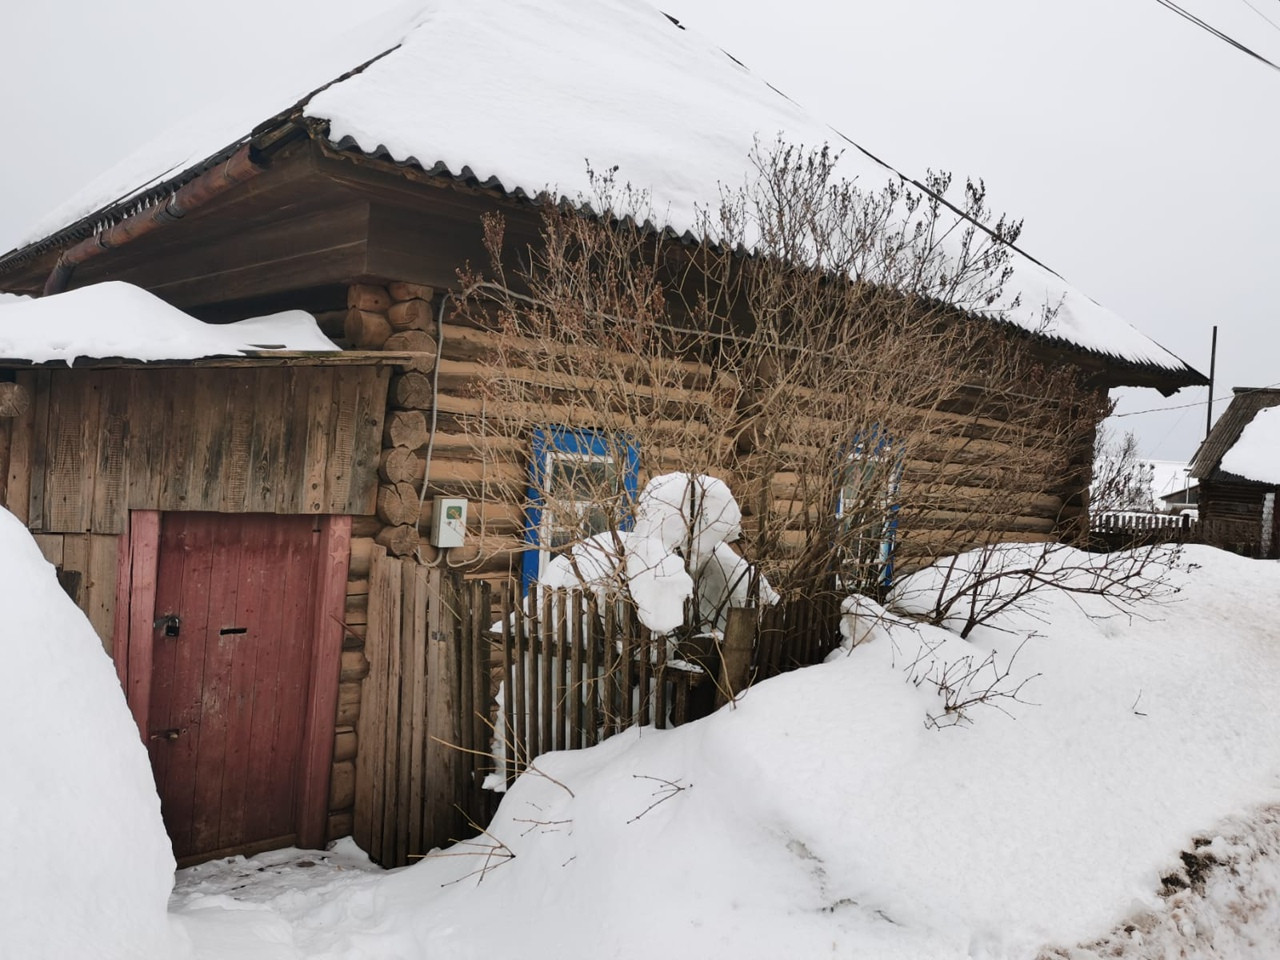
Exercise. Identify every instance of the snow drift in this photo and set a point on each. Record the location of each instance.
(821, 815)
(87, 867)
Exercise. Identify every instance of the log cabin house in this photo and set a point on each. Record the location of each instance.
(1236, 494)
(188, 502)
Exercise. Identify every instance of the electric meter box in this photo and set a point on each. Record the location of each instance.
(448, 521)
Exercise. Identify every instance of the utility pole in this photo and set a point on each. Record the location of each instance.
(1213, 359)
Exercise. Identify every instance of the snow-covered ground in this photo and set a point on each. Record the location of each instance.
(823, 815)
(1125, 803)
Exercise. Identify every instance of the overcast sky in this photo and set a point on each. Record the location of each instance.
(1141, 151)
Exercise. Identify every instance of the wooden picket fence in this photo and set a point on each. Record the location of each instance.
(796, 634)
(1123, 531)
(576, 670)
(559, 670)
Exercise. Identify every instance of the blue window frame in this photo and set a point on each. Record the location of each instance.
(581, 482)
(875, 460)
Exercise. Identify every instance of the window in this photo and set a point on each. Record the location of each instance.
(867, 509)
(582, 482)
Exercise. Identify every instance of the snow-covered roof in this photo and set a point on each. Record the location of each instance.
(526, 95)
(1247, 403)
(120, 320)
(1256, 455)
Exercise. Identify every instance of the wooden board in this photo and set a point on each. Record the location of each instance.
(287, 440)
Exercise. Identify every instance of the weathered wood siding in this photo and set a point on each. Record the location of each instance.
(289, 440)
(1232, 516)
(88, 565)
(1223, 499)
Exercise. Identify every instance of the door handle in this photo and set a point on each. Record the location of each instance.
(171, 734)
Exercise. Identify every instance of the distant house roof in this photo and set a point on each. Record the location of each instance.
(522, 97)
(1235, 449)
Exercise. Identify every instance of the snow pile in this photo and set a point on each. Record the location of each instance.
(87, 867)
(263, 895)
(679, 543)
(8, 299)
(820, 815)
(673, 114)
(1256, 455)
(117, 319)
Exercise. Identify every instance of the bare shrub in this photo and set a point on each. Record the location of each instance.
(837, 354)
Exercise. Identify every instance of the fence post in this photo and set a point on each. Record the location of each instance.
(735, 653)
(443, 727)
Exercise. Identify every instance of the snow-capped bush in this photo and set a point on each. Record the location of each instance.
(677, 548)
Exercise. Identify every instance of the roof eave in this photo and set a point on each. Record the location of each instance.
(288, 127)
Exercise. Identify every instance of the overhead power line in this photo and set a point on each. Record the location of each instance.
(1187, 15)
(1248, 4)
(1184, 406)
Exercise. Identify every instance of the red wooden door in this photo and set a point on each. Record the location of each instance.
(232, 649)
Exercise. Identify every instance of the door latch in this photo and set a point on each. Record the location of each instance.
(171, 623)
(171, 734)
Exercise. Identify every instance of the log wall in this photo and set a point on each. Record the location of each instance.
(965, 481)
(402, 317)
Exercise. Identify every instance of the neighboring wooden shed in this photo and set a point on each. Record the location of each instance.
(289, 491)
(1237, 512)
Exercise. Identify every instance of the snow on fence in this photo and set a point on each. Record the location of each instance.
(454, 703)
(1141, 522)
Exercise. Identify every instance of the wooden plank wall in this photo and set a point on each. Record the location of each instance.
(421, 730)
(87, 568)
(291, 440)
(95, 444)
